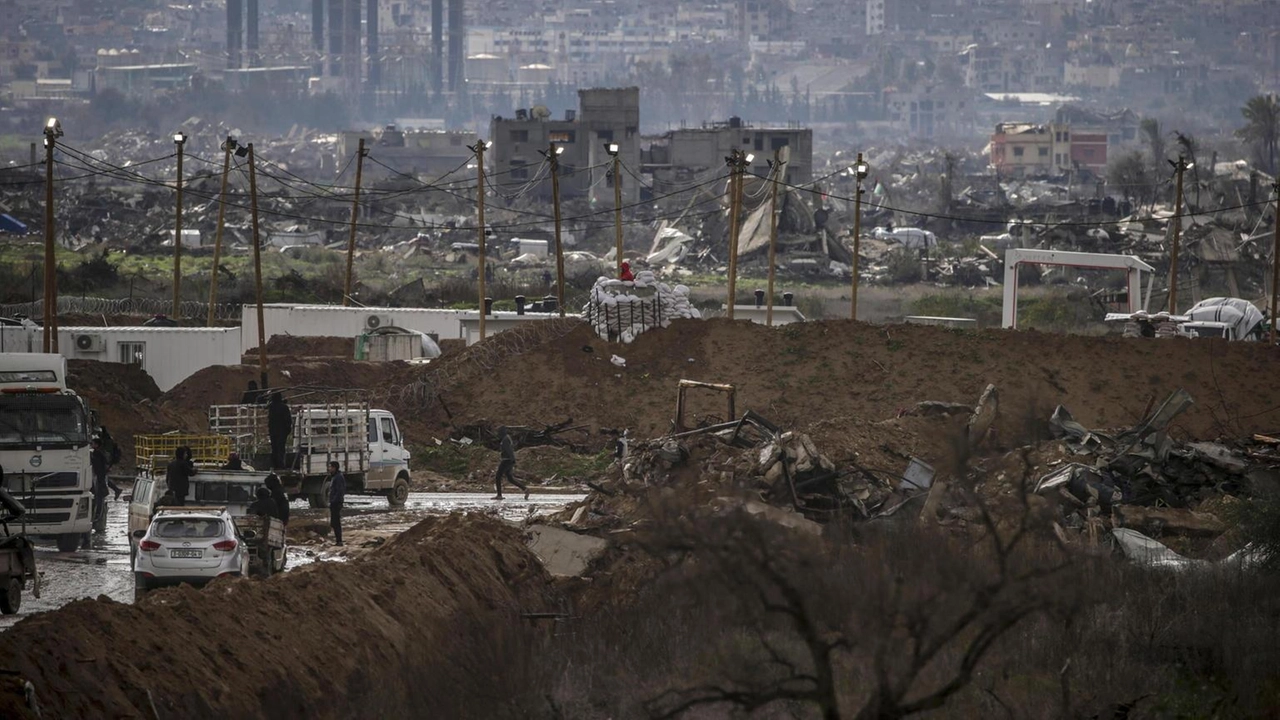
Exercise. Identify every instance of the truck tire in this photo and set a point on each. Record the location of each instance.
(68, 542)
(320, 500)
(398, 495)
(11, 600)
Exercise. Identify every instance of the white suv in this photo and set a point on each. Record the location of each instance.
(189, 546)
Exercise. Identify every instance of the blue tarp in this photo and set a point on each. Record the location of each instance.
(11, 224)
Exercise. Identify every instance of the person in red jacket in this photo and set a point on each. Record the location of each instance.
(626, 272)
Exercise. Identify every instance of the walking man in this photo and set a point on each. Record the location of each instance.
(337, 493)
(279, 425)
(177, 475)
(112, 451)
(507, 464)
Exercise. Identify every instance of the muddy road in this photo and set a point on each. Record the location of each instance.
(104, 568)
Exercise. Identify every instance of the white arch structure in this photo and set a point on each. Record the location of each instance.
(1013, 257)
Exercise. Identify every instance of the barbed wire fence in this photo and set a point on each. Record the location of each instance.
(123, 306)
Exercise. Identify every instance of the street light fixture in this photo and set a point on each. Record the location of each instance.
(860, 170)
(612, 149)
(179, 141)
(179, 138)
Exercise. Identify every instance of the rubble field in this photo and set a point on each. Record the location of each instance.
(392, 634)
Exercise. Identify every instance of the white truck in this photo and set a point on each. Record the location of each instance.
(44, 446)
(1218, 317)
(328, 426)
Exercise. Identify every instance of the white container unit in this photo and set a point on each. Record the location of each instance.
(168, 354)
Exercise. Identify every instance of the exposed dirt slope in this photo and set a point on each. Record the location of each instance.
(802, 373)
(125, 398)
(415, 629)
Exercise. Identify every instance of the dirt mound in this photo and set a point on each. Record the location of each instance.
(124, 396)
(294, 346)
(225, 384)
(803, 372)
(418, 628)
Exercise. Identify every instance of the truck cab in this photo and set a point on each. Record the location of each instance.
(388, 457)
(44, 446)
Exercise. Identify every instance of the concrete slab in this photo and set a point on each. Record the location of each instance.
(564, 553)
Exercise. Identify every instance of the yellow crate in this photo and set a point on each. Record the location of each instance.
(155, 451)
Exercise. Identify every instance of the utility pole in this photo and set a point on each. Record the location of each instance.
(1180, 167)
(227, 148)
(776, 166)
(257, 268)
(52, 131)
(479, 149)
(738, 163)
(552, 154)
(859, 173)
(612, 149)
(179, 141)
(355, 212)
(1275, 261)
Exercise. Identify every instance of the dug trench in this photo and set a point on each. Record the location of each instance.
(419, 628)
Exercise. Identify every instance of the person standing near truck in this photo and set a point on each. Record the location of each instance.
(279, 425)
(177, 475)
(112, 451)
(337, 494)
(277, 493)
(507, 465)
(98, 465)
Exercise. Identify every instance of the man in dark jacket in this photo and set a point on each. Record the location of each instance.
(507, 464)
(112, 451)
(279, 425)
(337, 495)
(252, 396)
(178, 475)
(277, 493)
(264, 505)
(98, 465)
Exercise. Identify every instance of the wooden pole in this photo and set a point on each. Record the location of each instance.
(50, 271)
(773, 236)
(857, 238)
(355, 212)
(735, 204)
(1275, 262)
(217, 235)
(479, 149)
(1181, 167)
(617, 210)
(180, 140)
(257, 268)
(554, 159)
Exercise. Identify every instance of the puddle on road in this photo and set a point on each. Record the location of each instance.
(104, 569)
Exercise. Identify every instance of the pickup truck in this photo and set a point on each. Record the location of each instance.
(233, 490)
(328, 425)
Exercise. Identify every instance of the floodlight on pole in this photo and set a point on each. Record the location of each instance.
(737, 162)
(52, 131)
(860, 170)
(615, 173)
(179, 141)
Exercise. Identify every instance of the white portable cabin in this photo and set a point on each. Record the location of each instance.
(350, 322)
(496, 322)
(168, 354)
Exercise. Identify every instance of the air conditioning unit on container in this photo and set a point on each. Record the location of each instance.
(373, 322)
(90, 343)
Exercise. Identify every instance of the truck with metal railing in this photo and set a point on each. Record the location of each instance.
(328, 426)
(45, 430)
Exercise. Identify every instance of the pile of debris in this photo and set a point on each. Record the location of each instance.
(1143, 481)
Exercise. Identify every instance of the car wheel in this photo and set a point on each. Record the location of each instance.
(140, 587)
(68, 542)
(11, 600)
(398, 495)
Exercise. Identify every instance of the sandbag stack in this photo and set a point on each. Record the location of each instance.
(623, 309)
